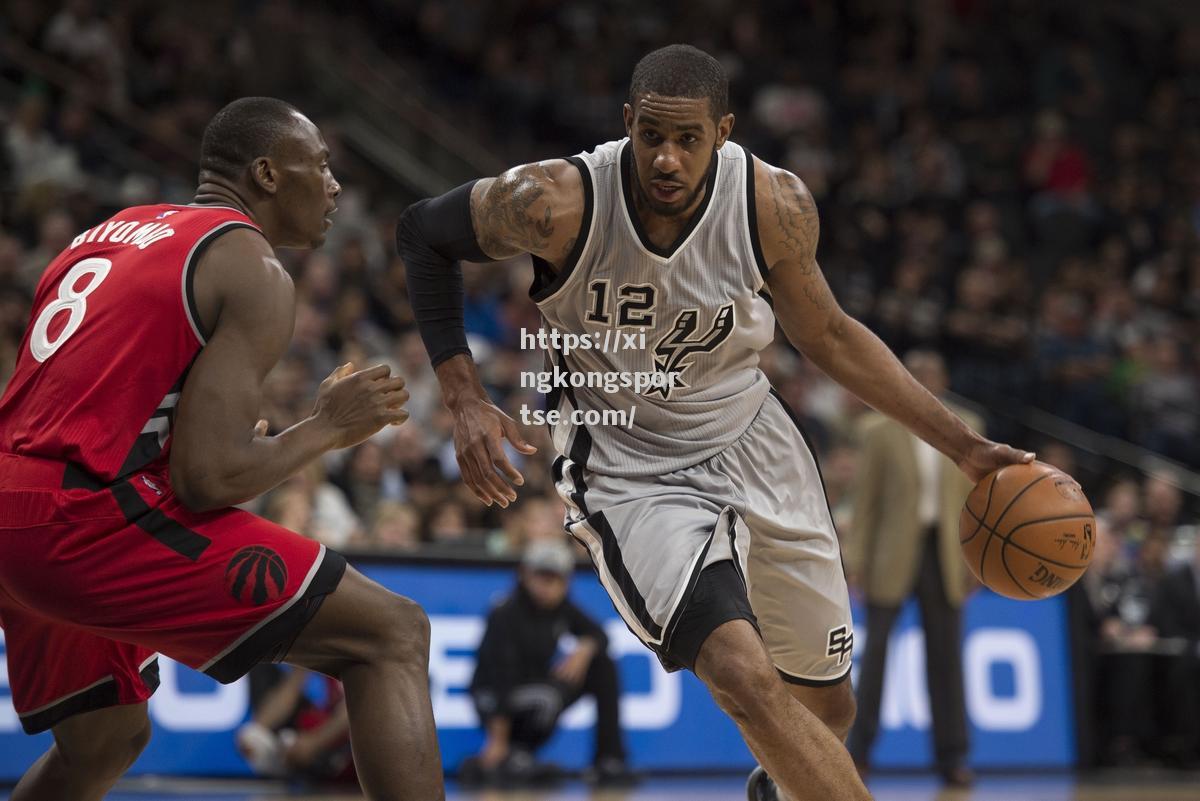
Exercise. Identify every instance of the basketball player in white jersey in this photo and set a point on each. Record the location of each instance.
(706, 518)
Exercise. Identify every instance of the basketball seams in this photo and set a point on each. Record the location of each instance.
(1016, 582)
(986, 507)
(1037, 555)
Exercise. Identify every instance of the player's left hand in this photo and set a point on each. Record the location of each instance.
(479, 428)
(986, 456)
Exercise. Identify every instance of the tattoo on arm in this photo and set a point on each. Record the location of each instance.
(505, 214)
(796, 215)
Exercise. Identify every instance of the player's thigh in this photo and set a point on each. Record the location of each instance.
(58, 671)
(361, 622)
(794, 568)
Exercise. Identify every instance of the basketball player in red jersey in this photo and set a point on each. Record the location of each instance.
(129, 429)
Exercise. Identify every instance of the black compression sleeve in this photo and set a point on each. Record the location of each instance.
(432, 236)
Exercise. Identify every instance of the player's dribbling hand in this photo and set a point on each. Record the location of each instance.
(986, 456)
(479, 427)
(357, 404)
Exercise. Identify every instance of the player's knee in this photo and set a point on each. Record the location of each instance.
(743, 685)
(404, 635)
(106, 753)
(839, 716)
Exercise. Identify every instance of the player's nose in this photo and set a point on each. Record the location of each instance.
(667, 159)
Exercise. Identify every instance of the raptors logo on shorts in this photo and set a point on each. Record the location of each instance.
(255, 575)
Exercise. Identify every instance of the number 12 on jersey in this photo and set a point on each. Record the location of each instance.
(635, 304)
(71, 299)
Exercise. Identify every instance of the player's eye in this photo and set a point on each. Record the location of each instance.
(650, 136)
(688, 139)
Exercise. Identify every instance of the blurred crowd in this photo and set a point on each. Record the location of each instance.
(1013, 184)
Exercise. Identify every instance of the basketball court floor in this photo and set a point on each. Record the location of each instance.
(1123, 787)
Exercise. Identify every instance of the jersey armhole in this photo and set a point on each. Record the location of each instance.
(189, 275)
(546, 282)
(760, 261)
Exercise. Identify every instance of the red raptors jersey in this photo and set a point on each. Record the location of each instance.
(113, 332)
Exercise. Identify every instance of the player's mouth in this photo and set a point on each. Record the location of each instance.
(666, 191)
(328, 217)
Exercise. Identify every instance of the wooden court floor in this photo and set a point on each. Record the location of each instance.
(1156, 786)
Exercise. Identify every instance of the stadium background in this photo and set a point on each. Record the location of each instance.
(1012, 184)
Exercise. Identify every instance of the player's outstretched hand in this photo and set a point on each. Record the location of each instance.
(354, 405)
(479, 427)
(987, 456)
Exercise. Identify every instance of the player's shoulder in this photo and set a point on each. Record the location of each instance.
(240, 260)
(776, 188)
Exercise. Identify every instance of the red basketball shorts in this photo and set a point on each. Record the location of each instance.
(95, 582)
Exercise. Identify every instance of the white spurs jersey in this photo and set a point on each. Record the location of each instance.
(691, 319)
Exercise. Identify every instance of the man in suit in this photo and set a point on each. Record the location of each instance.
(904, 542)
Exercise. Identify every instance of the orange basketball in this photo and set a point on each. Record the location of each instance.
(1027, 531)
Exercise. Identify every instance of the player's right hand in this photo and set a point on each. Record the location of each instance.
(354, 405)
(479, 427)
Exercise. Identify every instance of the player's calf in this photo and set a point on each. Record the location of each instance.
(90, 752)
(834, 704)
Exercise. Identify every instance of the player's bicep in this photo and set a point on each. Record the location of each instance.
(220, 402)
(789, 228)
(533, 208)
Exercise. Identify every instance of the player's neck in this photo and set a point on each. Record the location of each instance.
(210, 193)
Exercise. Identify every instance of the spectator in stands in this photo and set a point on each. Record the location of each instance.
(1163, 505)
(1165, 404)
(1176, 615)
(294, 732)
(1072, 365)
(523, 682)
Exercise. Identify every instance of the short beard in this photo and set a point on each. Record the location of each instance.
(678, 207)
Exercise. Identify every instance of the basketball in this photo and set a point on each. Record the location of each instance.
(1027, 531)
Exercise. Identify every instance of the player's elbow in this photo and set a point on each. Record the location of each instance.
(199, 493)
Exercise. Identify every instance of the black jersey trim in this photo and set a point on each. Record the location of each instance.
(171, 533)
(271, 640)
(790, 679)
(678, 612)
(752, 218)
(636, 221)
(547, 282)
(614, 563)
(100, 695)
(189, 274)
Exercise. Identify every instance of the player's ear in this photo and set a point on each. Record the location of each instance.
(627, 113)
(262, 172)
(724, 129)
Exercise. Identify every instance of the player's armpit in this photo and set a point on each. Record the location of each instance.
(534, 208)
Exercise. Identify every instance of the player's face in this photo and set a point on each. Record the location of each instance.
(674, 141)
(306, 190)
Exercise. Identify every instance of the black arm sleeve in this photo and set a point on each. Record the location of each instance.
(432, 236)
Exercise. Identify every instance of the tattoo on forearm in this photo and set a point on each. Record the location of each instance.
(506, 222)
(796, 214)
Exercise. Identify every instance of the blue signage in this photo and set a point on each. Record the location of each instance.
(1016, 671)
